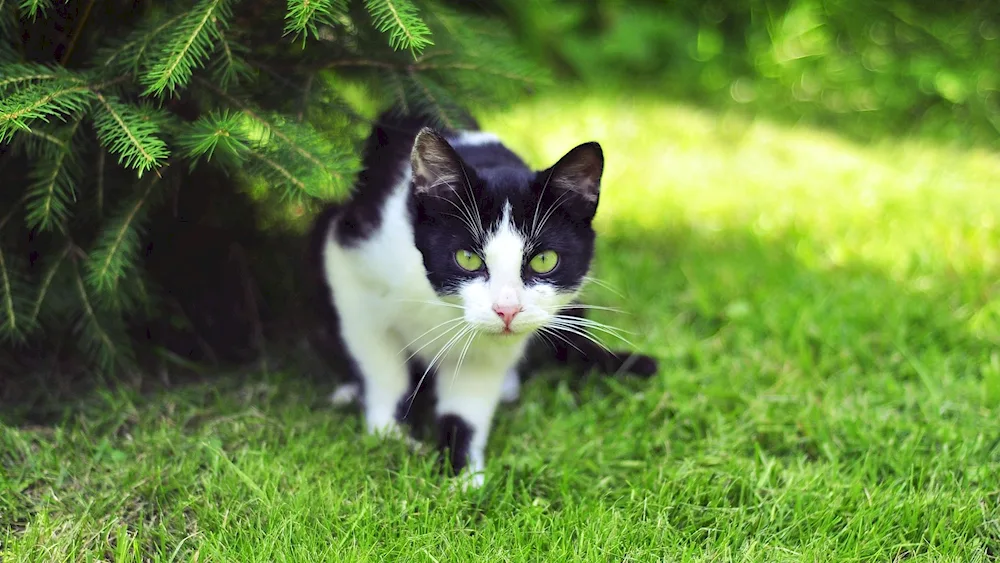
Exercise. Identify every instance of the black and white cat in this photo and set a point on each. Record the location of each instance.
(453, 259)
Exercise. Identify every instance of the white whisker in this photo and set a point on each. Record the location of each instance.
(548, 330)
(582, 330)
(582, 333)
(592, 323)
(597, 308)
(461, 357)
(444, 349)
(428, 331)
(552, 208)
(603, 284)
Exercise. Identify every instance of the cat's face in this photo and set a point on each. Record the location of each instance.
(510, 247)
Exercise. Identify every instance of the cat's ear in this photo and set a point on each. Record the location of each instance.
(435, 164)
(579, 172)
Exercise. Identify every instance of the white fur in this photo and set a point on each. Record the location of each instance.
(345, 394)
(473, 139)
(389, 310)
(510, 391)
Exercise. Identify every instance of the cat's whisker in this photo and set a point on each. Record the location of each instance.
(592, 323)
(611, 331)
(583, 334)
(538, 204)
(472, 199)
(466, 217)
(430, 365)
(552, 209)
(542, 334)
(584, 331)
(555, 333)
(428, 331)
(597, 308)
(603, 284)
(461, 357)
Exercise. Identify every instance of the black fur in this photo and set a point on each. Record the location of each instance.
(454, 437)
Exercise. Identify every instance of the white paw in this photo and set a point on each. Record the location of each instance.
(467, 481)
(511, 388)
(393, 431)
(345, 394)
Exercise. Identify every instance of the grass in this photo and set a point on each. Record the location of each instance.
(827, 317)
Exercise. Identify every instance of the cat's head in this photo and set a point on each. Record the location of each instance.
(512, 247)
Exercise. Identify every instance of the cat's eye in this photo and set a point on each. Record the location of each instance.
(544, 262)
(469, 260)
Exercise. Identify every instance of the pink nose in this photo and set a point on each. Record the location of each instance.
(507, 312)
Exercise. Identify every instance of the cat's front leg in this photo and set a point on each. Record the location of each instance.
(384, 375)
(466, 402)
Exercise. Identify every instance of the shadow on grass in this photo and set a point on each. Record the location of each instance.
(698, 299)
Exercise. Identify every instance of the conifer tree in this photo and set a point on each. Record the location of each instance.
(107, 108)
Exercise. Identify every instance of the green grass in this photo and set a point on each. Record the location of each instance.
(827, 316)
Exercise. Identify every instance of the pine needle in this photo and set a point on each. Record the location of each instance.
(399, 18)
(129, 134)
(117, 246)
(304, 17)
(17, 74)
(187, 48)
(98, 334)
(51, 99)
(8, 327)
(34, 7)
(43, 289)
(55, 176)
(217, 137)
(130, 55)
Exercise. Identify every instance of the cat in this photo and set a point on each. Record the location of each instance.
(455, 266)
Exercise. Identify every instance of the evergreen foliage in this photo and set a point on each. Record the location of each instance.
(111, 110)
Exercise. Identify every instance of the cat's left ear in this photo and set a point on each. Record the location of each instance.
(579, 172)
(435, 164)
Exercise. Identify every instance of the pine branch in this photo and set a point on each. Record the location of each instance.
(282, 176)
(10, 327)
(7, 17)
(187, 48)
(129, 55)
(98, 333)
(55, 98)
(14, 324)
(327, 169)
(54, 179)
(43, 289)
(99, 196)
(75, 36)
(130, 134)
(117, 246)
(229, 66)
(400, 20)
(216, 137)
(433, 101)
(19, 74)
(304, 17)
(34, 7)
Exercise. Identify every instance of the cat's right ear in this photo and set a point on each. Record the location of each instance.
(436, 166)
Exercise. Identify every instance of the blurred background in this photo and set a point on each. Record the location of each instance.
(865, 69)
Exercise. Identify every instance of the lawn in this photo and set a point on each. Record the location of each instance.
(827, 317)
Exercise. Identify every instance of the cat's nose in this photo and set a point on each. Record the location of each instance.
(507, 312)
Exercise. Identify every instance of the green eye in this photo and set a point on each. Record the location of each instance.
(468, 260)
(544, 262)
